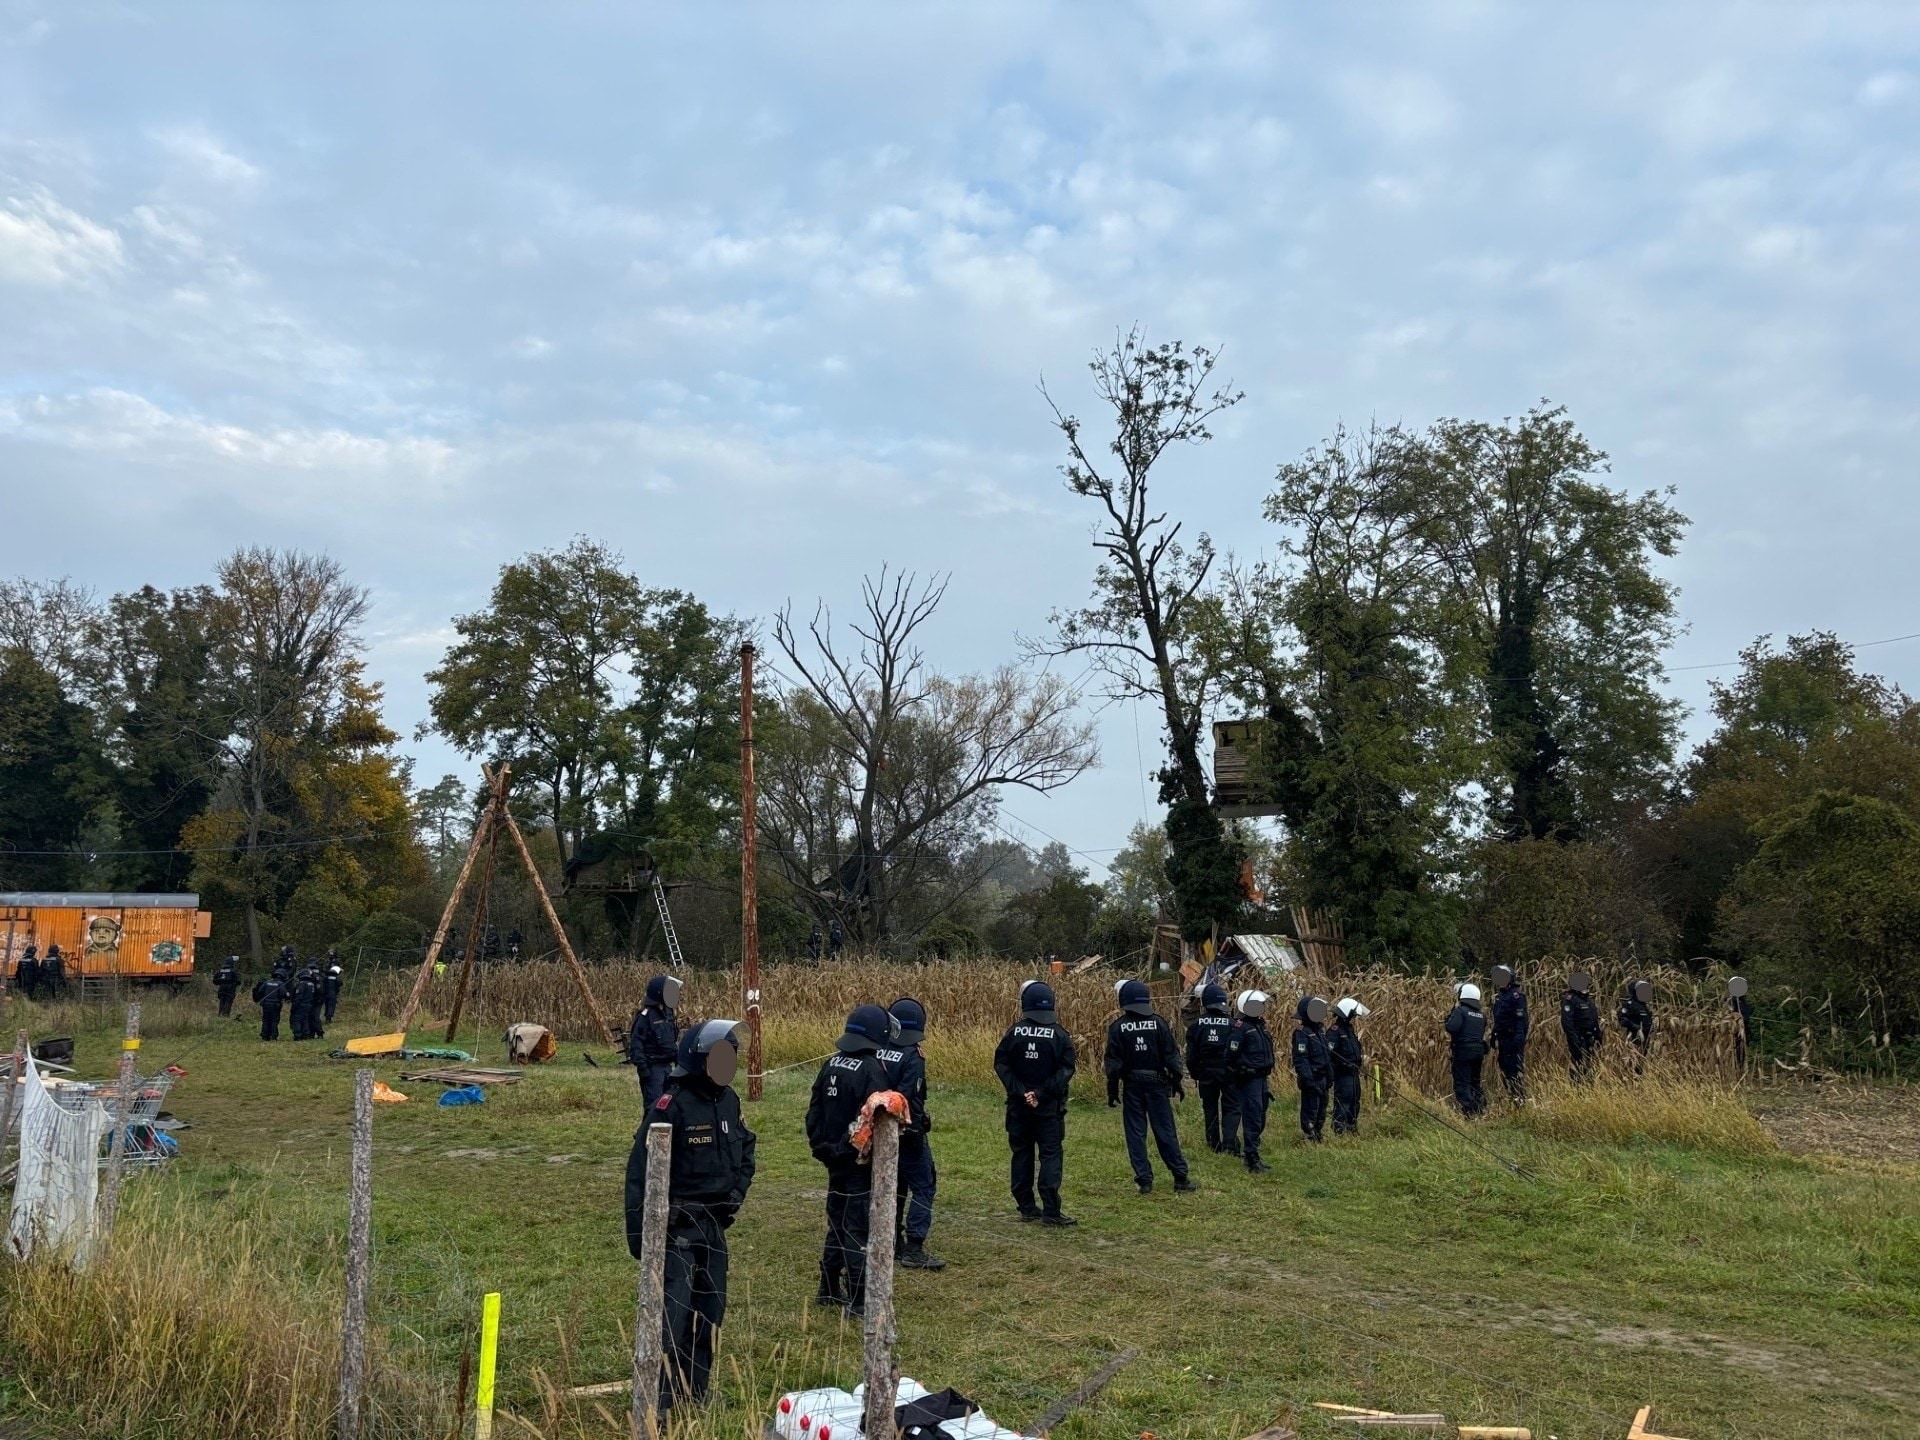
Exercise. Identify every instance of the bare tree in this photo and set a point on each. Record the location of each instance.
(882, 769)
(52, 621)
(1138, 629)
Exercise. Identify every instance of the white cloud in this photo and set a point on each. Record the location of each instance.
(42, 242)
(201, 150)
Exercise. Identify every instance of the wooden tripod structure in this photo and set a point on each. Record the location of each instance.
(494, 820)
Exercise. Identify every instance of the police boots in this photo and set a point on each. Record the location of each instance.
(914, 1255)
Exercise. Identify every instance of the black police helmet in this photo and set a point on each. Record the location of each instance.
(1036, 995)
(911, 1016)
(1212, 997)
(697, 1051)
(1134, 997)
(868, 1028)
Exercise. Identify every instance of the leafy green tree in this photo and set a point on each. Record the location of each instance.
(1550, 582)
(1063, 914)
(1533, 898)
(54, 778)
(1831, 902)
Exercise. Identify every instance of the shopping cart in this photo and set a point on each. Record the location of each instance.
(144, 1143)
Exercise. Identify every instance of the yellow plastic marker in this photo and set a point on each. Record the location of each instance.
(489, 1351)
(1376, 1084)
(132, 1042)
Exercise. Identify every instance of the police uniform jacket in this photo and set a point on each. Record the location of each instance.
(1249, 1049)
(1745, 1012)
(330, 982)
(1207, 1046)
(1036, 1055)
(1141, 1050)
(1343, 1048)
(1510, 1019)
(270, 992)
(1579, 1020)
(1312, 1061)
(653, 1038)
(839, 1090)
(712, 1164)
(226, 980)
(1467, 1028)
(906, 1071)
(1636, 1018)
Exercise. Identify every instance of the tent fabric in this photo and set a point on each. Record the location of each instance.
(59, 1176)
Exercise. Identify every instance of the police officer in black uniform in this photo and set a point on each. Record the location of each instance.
(270, 993)
(305, 1006)
(1580, 1023)
(1743, 1011)
(226, 983)
(1467, 1034)
(1349, 1058)
(1143, 1059)
(711, 1171)
(1636, 1016)
(330, 984)
(654, 1037)
(1312, 1065)
(907, 1073)
(840, 1092)
(26, 975)
(1035, 1063)
(53, 974)
(1207, 1064)
(1511, 1025)
(1249, 1064)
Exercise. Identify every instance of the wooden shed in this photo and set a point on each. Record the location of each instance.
(134, 937)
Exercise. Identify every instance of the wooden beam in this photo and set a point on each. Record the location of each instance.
(475, 932)
(1640, 1431)
(419, 991)
(1096, 1382)
(560, 934)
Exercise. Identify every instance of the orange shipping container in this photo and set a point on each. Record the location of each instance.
(137, 937)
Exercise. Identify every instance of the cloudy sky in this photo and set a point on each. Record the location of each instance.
(760, 294)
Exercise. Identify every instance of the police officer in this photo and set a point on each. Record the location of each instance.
(907, 1073)
(305, 1004)
(1743, 1010)
(711, 1171)
(330, 984)
(1580, 1023)
(1636, 1016)
(269, 993)
(836, 938)
(840, 1092)
(286, 964)
(1467, 1034)
(26, 975)
(813, 942)
(1143, 1059)
(1207, 1064)
(226, 983)
(53, 974)
(1349, 1059)
(1249, 1064)
(1312, 1065)
(1035, 1063)
(1511, 1025)
(654, 1036)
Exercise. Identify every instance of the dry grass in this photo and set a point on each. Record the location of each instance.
(971, 1003)
(1615, 1112)
(182, 1328)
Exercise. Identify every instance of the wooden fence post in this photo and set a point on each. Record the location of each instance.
(122, 1108)
(649, 1323)
(883, 1380)
(353, 1325)
(16, 1067)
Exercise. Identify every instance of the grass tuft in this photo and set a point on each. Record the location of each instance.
(1613, 1112)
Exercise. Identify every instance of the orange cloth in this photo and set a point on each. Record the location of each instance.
(385, 1092)
(893, 1102)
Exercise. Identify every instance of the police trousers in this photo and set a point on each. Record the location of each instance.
(1313, 1111)
(849, 1201)
(1346, 1103)
(1043, 1133)
(1512, 1058)
(1251, 1097)
(269, 1022)
(1148, 1104)
(1220, 1105)
(917, 1183)
(696, 1302)
(653, 1083)
(226, 1001)
(1586, 1057)
(333, 1005)
(1467, 1093)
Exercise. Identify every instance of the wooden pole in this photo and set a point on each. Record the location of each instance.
(353, 1324)
(122, 1108)
(649, 1321)
(6, 968)
(883, 1380)
(446, 916)
(749, 876)
(17, 1065)
(476, 935)
(566, 946)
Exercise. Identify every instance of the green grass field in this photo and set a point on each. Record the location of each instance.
(1741, 1295)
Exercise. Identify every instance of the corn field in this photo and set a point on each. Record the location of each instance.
(970, 1003)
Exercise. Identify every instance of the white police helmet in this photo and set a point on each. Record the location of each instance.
(1253, 1003)
(1352, 1008)
(1468, 991)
